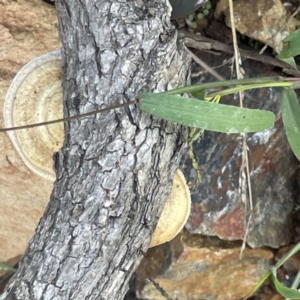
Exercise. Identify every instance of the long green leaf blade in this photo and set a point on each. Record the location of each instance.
(291, 45)
(200, 95)
(206, 115)
(291, 118)
(284, 290)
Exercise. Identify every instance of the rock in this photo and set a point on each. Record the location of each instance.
(28, 30)
(263, 20)
(24, 196)
(221, 7)
(218, 207)
(200, 267)
(179, 266)
(219, 32)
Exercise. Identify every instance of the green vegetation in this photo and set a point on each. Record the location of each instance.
(203, 12)
(199, 114)
(203, 112)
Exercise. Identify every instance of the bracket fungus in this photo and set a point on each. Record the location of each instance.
(175, 213)
(35, 96)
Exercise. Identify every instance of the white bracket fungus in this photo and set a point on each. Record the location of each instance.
(35, 96)
(175, 213)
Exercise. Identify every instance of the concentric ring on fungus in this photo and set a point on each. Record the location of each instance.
(34, 96)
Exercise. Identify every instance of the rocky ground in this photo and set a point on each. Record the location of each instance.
(203, 261)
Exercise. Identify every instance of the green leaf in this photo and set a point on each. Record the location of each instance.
(284, 290)
(281, 261)
(291, 118)
(290, 61)
(291, 45)
(6, 267)
(199, 94)
(207, 5)
(206, 115)
(258, 285)
(284, 258)
(200, 16)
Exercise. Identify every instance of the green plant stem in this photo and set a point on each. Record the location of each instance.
(240, 85)
(295, 283)
(281, 261)
(249, 87)
(258, 285)
(272, 81)
(293, 251)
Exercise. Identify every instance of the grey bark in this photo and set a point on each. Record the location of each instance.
(114, 171)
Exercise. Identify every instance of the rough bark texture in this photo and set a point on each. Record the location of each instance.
(115, 170)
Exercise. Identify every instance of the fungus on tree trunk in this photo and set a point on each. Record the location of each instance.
(114, 171)
(35, 96)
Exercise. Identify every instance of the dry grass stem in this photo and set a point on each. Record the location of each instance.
(244, 179)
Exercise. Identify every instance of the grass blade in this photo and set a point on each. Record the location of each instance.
(6, 267)
(291, 45)
(206, 115)
(291, 118)
(284, 290)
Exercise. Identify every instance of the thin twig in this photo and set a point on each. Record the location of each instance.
(203, 71)
(203, 43)
(205, 66)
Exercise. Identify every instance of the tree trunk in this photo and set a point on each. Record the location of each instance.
(115, 170)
